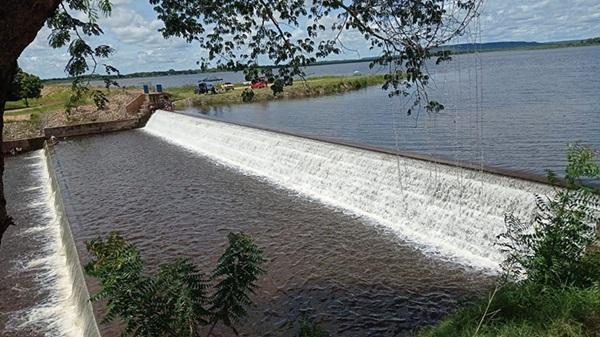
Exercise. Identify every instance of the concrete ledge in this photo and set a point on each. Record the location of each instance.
(90, 128)
(26, 145)
(406, 154)
(23, 145)
(80, 293)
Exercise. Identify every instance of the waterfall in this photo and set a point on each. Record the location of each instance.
(79, 292)
(67, 310)
(449, 211)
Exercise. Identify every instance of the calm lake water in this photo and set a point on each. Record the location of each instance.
(515, 110)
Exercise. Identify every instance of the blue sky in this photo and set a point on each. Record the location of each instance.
(133, 31)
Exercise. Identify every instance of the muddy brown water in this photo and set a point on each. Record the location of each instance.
(354, 277)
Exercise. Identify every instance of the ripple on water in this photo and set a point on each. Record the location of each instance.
(356, 278)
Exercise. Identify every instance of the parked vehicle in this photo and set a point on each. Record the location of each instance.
(205, 88)
(227, 86)
(257, 84)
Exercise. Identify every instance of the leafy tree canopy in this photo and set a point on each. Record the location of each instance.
(74, 33)
(178, 300)
(25, 86)
(238, 34)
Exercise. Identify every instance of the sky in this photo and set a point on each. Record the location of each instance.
(132, 30)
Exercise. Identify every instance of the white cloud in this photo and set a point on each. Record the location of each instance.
(133, 31)
(547, 20)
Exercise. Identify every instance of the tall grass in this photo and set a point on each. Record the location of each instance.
(532, 310)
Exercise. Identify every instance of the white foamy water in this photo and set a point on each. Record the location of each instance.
(63, 309)
(445, 210)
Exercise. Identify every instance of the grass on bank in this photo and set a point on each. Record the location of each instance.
(53, 99)
(527, 311)
(54, 96)
(315, 86)
(21, 122)
(26, 122)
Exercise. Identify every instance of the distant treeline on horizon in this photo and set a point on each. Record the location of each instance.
(464, 48)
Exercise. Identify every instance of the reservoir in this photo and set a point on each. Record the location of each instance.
(515, 110)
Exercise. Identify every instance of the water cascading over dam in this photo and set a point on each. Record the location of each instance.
(449, 211)
(48, 266)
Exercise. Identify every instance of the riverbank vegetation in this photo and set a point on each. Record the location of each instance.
(49, 110)
(551, 278)
(312, 87)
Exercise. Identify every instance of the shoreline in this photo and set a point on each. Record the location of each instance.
(312, 87)
(25, 129)
(132, 115)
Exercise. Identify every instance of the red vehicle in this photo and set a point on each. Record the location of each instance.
(258, 84)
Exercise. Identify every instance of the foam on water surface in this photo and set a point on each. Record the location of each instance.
(448, 211)
(61, 296)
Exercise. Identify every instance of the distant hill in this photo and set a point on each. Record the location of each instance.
(517, 45)
(469, 47)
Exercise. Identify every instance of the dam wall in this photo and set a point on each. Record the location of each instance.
(79, 293)
(449, 211)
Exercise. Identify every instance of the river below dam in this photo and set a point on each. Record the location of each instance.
(36, 285)
(357, 278)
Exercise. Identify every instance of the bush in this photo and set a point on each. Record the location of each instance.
(277, 86)
(556, 249)
(177, 300)
(247, 95)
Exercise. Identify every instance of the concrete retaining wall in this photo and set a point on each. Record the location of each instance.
(80, 293)
(90, 128)
(23, 145)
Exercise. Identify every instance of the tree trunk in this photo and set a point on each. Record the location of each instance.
(6, 76)
(26, 103)
(20, 21)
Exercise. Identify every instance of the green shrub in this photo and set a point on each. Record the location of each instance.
(247, 95)
(177, 300)
(555, 249)
(277, 86)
